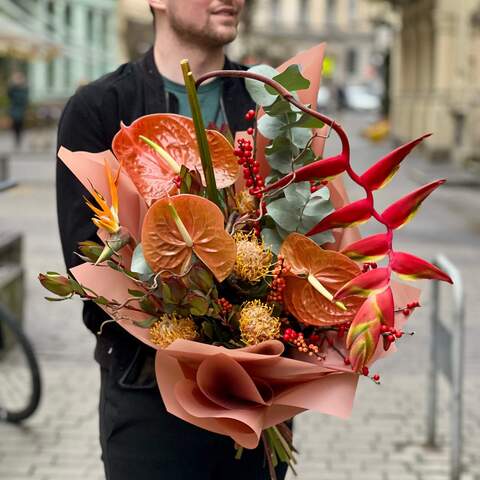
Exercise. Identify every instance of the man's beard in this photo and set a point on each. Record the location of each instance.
(205, 36)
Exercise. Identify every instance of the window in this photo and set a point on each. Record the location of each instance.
(303, 13)
(351, 61)
(331, 12)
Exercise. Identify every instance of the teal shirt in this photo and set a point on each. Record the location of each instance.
(209, 94)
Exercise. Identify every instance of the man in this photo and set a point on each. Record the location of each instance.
(18, 98)
(139, 438)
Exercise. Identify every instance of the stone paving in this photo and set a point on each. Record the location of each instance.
(385, 437)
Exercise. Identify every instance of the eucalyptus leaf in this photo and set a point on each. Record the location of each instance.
(257, 89)
(284, 213)
(279, 145)
(292, 79)
(270, 127)
(324, 237)
(298, 192)
(282, 162)
(319, 205)
(272, 239)
(139, 264)
(300, 137)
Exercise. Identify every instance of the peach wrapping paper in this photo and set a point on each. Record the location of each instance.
(243, 391)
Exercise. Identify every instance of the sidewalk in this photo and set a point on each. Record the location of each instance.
(385, 436)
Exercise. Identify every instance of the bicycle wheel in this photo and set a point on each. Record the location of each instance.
(20, 390)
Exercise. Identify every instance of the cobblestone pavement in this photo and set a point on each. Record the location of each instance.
(384, 438)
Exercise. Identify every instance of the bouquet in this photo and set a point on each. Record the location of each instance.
(233, 262)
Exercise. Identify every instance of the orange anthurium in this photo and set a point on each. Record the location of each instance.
(176, 228)
(316, 274)
(106, 217)
(153, 148)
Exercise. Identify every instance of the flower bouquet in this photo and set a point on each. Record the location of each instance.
(232, 261)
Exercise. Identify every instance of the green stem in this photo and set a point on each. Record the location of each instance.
(202, 140)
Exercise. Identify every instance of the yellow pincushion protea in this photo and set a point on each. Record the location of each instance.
(172, 327)
(253, 260)
(257, 324)
(246, 203)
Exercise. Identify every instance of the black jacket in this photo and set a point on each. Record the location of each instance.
(89, 122)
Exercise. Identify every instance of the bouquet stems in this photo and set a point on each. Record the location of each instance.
(277, 442)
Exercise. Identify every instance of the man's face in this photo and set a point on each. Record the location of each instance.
(210, 23)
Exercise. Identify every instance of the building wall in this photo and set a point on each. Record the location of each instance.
(281, 28)
(436, 69)
(88, 33)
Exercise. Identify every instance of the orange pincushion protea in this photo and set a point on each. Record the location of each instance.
(315, 275)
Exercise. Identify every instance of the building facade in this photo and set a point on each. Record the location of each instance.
(435, 76)
(86, 30)
(277, 29)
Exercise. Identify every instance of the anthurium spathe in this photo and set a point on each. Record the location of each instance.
(368, 249)
(410, 267)
(352, 214)
(176, 228)
(380, 174)
(154, 146)
(402, 211)
(315, 275)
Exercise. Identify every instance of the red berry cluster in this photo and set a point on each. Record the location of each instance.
(251, 168)
(297, 339)
(368, 266)
(278, 283)
(410, 306)
(177, 180)
(250, 115)
(315, 185)
(390, 334)
(225, 305)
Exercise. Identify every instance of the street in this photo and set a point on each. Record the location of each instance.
(384, 439)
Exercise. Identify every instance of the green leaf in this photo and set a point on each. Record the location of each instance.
(279, 145)
(101, 301)
(147, 306)
(198, 305)
(284, 213)
(300, 137)
(208, 330)
(57, 299)
(136, 293)
(257, 89)
(201, 278)
(307, 121)
(280, 107)
(319, 204)
(292, 79)
(298, 193)
(146, 323)
(186, 180)
(270, 127)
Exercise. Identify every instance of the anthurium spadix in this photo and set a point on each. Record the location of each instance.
(402, 211)
(366, 284)
(410, 267)
(380, 174)
(352, 214)
(323, 169)
(368, 249)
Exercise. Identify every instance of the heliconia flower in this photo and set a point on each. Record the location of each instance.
(364, 333)
(106, 217)
(380, 174)
(368, 249)
(410, 267)
(366, 284)
(352, 214)
(323, 169)
(402, 211)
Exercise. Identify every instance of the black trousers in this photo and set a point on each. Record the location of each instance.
(140, 440)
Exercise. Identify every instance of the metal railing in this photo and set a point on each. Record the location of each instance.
(447, 358)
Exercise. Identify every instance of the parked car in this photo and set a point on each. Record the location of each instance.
(362, 98)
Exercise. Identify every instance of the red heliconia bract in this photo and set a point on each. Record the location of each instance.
(366, 284)
(364, 333)
(319, 170)
(379, 174)
(368, 249)
(410, 267)
(402, 211)
(352, 214)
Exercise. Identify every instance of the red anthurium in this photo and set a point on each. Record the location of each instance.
(410, 267)
(379, 174)
(402, 211)
(320, 170)
(352, 214)
(364, 333)
(366, 284)
(368, 249)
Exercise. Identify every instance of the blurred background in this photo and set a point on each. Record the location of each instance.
(393, 71)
